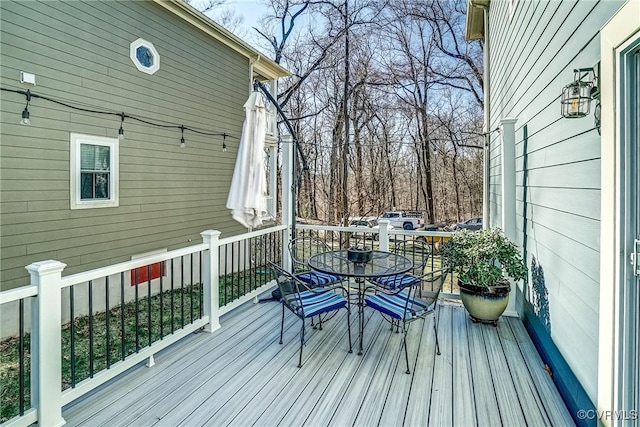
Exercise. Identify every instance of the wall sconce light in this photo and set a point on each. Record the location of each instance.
(576, 96)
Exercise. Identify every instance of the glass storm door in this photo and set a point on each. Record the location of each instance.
(629, 360)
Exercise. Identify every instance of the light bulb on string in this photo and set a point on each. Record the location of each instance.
(121, 130)
(182, 143)
(25, 113)
(224, 145)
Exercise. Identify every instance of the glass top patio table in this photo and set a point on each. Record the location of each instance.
(382, 264)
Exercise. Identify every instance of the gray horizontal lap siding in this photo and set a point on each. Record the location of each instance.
(529, 66)
(79, 52)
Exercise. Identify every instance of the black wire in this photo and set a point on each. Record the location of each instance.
(224, 135)
(122, 115)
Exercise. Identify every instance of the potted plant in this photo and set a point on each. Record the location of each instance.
(484, 261)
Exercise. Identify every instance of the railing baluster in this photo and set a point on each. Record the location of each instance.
(182, 291)
(137, 309)
(173, 274)
(225, 271)
(123, 343)
(244, 266)
(107, 314)
(233, 258)
(162, 273)
(191, 288)
(72, 337)
(21, 355)
(149, 303)
(201, 287)
(91, 352)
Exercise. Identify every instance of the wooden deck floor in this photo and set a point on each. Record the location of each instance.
(241, 376)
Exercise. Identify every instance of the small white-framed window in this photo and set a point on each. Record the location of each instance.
(94, 171)
(144, 56)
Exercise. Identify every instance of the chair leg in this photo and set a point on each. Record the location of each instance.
(435, 328)
(405, 328)
(282, 324)
(301, 344)
(349, 325)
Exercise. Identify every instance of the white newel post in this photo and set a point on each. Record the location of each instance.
(384, 234)
(211, 280)
(46, 335)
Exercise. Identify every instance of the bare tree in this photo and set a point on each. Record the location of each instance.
(221, 13)
(380, 114)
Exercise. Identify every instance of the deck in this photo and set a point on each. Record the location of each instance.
(241, 376)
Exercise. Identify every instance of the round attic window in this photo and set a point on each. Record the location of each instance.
(144, 56)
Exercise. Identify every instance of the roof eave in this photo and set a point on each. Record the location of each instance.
(262, 64)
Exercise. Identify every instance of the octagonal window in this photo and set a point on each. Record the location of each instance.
(144, 56)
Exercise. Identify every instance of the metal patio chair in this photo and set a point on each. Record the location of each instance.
(413, 298)
(306, 302)
(301, 249)
(418, 252)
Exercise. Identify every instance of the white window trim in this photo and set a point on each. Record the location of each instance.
(156, 56)
(75, 141)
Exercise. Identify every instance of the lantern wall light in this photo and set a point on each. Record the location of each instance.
(577, 96)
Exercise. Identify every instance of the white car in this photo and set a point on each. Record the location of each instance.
(369, 226)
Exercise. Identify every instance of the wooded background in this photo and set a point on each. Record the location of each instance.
(386, 100)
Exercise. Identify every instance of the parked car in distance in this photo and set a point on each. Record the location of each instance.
(408, 220)
(473, 224)
(368, 226)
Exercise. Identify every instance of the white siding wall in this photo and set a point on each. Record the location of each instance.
(529, 66)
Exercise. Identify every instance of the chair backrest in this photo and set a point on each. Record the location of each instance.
(290, 287)
(301, 249)
(425, 293)
(417, 252)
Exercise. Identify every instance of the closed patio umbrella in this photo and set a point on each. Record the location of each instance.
(248, 186)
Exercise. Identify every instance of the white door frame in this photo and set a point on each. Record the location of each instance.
(622, 27)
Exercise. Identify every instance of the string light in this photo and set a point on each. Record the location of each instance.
(26, 117)
(25, 113)
(121, 130)
(224, 145)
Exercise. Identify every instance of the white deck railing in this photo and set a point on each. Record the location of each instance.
(238, 261)
(208, 263)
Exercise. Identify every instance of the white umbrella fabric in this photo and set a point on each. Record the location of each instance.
(249, 183)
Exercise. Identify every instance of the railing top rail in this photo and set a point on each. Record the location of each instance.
(360, 229)
(18, 293)
(257, 233)
(98, 273)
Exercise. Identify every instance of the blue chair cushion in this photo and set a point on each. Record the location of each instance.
(394, 305)
(398, 281)
(316, 278)
(313, 303)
